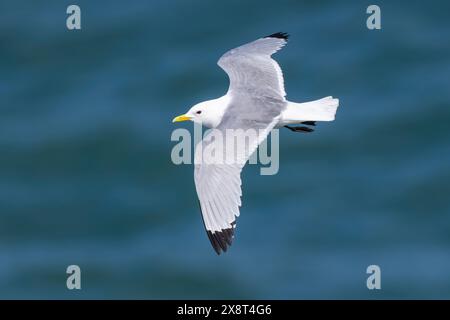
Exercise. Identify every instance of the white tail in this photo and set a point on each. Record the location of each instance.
(319, 110)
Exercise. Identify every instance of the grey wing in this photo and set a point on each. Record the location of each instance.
(218, 185)
(251, 68)
(257, 100)
(219, 193)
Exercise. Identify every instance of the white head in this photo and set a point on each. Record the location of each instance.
(208, 113)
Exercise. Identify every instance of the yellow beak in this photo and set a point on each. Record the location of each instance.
(183, 117)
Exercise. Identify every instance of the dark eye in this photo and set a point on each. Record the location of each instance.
(198, 112)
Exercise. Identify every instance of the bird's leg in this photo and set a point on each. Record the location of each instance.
(299, 129)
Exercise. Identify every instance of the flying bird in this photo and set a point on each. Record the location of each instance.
(256, 99)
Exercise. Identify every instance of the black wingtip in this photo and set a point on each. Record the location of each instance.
(221, 240)
(214, 242)
(279, 35)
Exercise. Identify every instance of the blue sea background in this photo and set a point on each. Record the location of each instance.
(86, 176)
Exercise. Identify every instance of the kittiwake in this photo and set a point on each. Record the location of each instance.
(256, 99)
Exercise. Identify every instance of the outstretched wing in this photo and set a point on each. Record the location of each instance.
(257, 101)
(251, 68)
